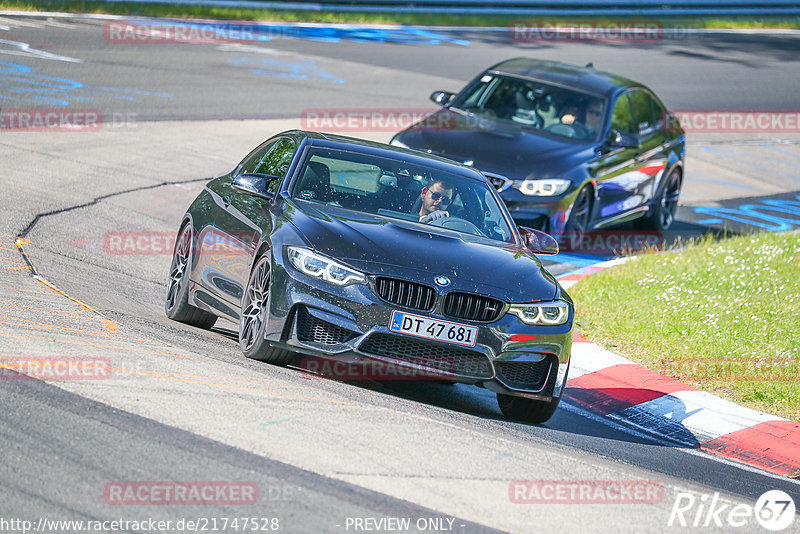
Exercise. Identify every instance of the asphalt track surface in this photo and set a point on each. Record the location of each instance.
(182, 404)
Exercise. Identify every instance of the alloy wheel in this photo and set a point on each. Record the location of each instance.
(255, 305)
(177, 272)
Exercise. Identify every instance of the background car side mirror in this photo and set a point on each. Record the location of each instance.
(253, 184)
(617, 139)
(441, 98)
(539, 242)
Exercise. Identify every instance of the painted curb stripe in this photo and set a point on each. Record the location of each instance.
(619, 387)
(773, 446)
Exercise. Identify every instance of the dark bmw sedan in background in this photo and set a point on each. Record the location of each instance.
(569, 148)
(353, 251)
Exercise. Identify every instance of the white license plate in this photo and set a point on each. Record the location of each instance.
(416, 325)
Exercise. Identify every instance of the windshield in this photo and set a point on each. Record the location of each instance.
(535, 105)
(398, 189)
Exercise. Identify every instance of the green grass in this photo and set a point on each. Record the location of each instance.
(723, 316)
(231, 13)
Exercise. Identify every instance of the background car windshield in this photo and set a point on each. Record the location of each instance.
(535, 105)
(392, 188)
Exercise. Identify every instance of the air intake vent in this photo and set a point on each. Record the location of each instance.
(309, 328)
(528, 376)
(435, 356)
(472, 307)
(406, 294)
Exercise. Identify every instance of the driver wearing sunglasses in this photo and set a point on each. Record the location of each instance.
(436, 198)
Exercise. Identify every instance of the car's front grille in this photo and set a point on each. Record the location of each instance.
(310, 328)
(435, 356)
(529, 376)
(406, 294)
(472, 307)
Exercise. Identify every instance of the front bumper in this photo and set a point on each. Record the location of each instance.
(351, 324)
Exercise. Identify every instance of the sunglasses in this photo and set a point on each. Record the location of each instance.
(595, 112)
(444, 199)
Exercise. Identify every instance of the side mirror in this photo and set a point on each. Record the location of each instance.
(441, 98)
(539, 242)
(617, 139)
(253, 184)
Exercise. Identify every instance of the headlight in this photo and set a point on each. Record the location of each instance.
(544, 188)
(542, 313)
(395, 142)
(319, 266)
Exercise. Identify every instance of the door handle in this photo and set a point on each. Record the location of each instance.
(226, 200)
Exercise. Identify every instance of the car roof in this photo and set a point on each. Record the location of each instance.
(585, 79)
(341, 142)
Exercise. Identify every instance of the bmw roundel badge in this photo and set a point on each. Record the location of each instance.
(442, 281)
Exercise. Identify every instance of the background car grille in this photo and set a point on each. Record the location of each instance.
(310, 328)
(525, 375)
(435, 356)
(472, 307)
(407, 294)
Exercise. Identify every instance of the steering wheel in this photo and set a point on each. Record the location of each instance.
(458, 224)
(574, 130)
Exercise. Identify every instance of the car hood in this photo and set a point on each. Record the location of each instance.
(390, 247)
(506, 149)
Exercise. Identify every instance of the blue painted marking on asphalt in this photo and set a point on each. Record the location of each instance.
(580, 260)
(710, 221)
(302, 70)
(25, 86)
(238, 32)
(750, 163)
(749, 214)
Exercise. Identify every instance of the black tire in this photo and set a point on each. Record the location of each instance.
(662, 214)
(580, 214)
(176, 302)
(253, 322)
(527, 410)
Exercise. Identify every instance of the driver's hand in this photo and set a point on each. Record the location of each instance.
(569, 118)
(438, 214)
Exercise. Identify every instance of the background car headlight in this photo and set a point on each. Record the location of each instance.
(544, 188)
(542, 313)
(319, 266)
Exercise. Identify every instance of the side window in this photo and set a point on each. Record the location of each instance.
(277, 160)
(621, 120)
(642, 110)
(252, 160)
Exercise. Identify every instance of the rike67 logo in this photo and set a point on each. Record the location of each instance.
(774, 510)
